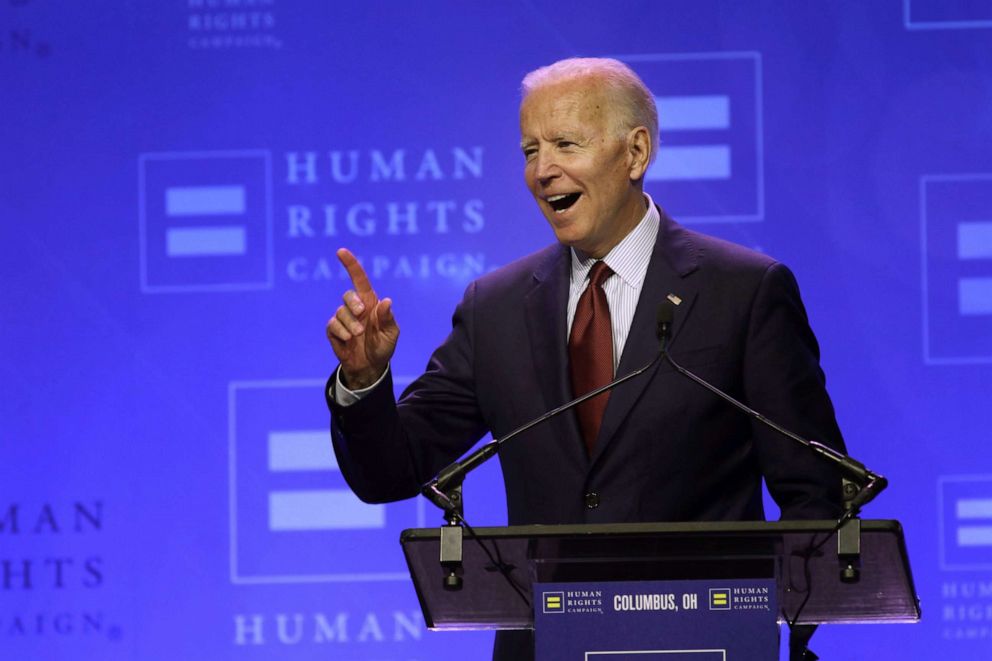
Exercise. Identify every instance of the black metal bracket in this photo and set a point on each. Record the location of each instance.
(849, 535)
(452, 536)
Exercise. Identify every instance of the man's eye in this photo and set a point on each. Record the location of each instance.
(565, 143)
(529, 153)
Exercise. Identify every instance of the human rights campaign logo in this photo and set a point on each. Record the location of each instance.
(205, 221)
(554, 602)
(946, 14)
(710, 160)
(719, 599)
(956, 236)
(292, 517)
(965, 507)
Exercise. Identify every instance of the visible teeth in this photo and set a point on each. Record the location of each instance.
(562, 202)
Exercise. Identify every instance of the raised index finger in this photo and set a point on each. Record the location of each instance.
(359, 279)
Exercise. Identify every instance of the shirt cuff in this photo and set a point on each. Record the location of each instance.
(343, 396)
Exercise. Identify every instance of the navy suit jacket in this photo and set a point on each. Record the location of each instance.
(668, 450)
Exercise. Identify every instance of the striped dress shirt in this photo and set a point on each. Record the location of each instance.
(629, 262)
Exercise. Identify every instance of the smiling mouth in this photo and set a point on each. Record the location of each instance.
(562, 202)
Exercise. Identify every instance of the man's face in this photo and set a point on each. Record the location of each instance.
(584, 177)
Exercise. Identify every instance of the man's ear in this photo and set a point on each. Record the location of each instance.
(639, 152)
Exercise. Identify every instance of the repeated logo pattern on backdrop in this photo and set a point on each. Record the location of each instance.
(178, 176)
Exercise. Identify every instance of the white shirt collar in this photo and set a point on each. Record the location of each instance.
(629, 258)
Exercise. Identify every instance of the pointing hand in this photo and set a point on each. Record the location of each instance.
(363, 332)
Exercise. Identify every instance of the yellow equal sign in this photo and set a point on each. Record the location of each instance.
(720, 598)
(552, 602)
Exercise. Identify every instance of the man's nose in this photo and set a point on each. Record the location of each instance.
(546, 168)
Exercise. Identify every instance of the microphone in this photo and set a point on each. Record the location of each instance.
(665, 317)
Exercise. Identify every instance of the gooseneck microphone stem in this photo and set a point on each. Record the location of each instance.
(439, 490)
(871, 483)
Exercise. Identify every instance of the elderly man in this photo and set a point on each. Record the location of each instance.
(556, 324)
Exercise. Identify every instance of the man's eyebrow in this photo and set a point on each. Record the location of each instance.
(563, 135)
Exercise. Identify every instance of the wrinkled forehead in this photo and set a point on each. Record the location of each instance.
(583, 102)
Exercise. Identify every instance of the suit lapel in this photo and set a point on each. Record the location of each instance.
(674, 257)
(546, 309)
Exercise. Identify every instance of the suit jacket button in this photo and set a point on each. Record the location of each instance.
(592, 500)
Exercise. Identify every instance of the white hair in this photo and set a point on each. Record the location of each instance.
(635, 103)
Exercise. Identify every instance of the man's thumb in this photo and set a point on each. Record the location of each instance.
(384, 315)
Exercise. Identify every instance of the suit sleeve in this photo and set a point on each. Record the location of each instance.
(784, 381)
(387, 450)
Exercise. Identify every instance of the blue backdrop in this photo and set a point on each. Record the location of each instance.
(176, 175)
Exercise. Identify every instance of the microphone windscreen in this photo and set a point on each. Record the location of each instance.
(666, 313)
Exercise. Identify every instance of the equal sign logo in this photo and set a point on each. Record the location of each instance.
(293, 518)
(710, 162)
(699, 162)
(974, 521)
(956, 219)
(205, 221)
(193, 202)
(314, 509)
(719, 599)
(554, 602)
(965, 506)
(975, 243)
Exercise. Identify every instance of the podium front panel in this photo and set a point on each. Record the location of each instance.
(494, 599)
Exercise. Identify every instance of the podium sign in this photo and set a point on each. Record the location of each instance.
(801, 562)
(683, 620)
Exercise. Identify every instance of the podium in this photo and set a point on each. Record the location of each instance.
(781, 551)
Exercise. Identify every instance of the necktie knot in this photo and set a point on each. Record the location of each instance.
(599, 273)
